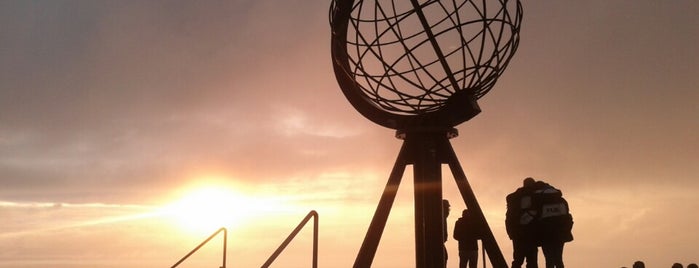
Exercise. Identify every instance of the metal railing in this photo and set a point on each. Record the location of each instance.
(313, 214)
(225, 238)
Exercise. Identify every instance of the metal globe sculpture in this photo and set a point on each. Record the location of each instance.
(406, 64)
(419, 67)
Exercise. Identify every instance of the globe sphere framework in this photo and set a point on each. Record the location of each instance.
(405, 63)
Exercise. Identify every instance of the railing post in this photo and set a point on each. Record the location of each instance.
(225, 244)
(315, 239)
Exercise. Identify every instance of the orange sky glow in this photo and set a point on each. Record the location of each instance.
(120, 121)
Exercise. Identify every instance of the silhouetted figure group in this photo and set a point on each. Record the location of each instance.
(538, 215)
(640, 264)
(679, 265)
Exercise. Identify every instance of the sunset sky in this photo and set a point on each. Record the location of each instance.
(120, 122)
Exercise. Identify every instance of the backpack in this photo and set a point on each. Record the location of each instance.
(555, 221)
(550, 202)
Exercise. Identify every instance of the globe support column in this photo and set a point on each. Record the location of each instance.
(427, 151)
(427, 172)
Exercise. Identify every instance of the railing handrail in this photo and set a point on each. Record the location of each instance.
(225, 235)
(312, 214)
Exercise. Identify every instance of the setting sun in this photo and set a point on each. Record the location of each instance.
(207, 209)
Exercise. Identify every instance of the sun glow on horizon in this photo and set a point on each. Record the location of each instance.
(208, 208)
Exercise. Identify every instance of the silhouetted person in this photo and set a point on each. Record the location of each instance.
(677, 265)
(554, 223)
(445, 213)
(692, 265)
(467, 232)
(639, 264)
(519, 223)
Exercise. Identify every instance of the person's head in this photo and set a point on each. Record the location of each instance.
(465, 213)
(677, 265)
(445, 207)
(639, 264)
(528, 182)
(692, 265)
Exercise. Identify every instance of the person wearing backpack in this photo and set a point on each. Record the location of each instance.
(554, 224)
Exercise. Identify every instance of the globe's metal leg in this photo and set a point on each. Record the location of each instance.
(427, 151)
(429, 227)
(489, 243)
(378, 222)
